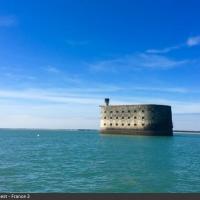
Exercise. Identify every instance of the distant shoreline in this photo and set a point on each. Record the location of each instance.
(180, 131)
(46, 129)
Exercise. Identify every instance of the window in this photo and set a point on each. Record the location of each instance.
(122, 124)
(110, 124)
(129, 111)
(104, 124)
(129, 124)
(110, 117)
(116, 117)
(135, 117)
(142, 117)
(122, 117)
(135, 124)
(122, 111)
(104, 117)
(116, 124)
(117, 111)
(135, 111)
(142, 124)
(142, 110)
(111, 111)
(104, 111)
(128, 117)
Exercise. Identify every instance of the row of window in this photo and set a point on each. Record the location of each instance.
(122, 124)
(123, 111)
(122, 117)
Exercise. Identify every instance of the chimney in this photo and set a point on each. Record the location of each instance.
(107, 101)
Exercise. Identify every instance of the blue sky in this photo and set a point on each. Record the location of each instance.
(60, 59)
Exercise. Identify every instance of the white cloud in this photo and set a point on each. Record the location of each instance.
(157, 61)
(18, 77)
(14, 73)
(43, 95)
(74, 109)
(81, 95)
(162, 89)
(165, 50)
(193, 41)
(48, 109)
(136, 61)
(8, 21)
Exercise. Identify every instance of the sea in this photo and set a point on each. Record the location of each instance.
(82, 161)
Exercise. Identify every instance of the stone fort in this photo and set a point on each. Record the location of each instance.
(144, 119)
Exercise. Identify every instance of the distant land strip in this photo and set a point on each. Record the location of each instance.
(179, 131)
(51, 129)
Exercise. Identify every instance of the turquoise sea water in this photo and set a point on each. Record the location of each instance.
(86, 161)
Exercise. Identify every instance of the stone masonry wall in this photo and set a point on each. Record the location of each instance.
(136, 117)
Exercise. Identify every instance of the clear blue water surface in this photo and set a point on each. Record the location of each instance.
(86, 161)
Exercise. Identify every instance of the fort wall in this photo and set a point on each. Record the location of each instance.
(147, 119)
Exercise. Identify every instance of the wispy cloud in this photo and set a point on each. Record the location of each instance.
(157, 61)
(47, 108)
(57, 72)
(79, 98)
(19, 77)
(193, 41)
(8, 21)
(52, 69)
(162, 89)
(142, 60)
(47, 96)
(190, 42)
(84, 95)
(165, 50)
